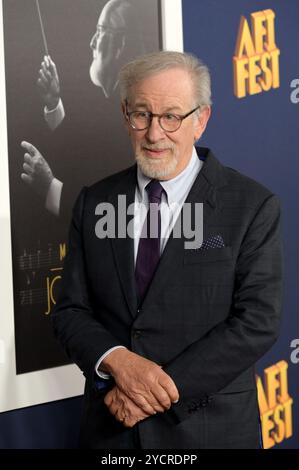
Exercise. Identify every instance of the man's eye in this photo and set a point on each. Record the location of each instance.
(141, 114)
(169, 117)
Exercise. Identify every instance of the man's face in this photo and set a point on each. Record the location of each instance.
(102, 50)
(160, 154)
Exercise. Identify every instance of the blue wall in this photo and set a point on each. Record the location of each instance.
(257, 135)
(51, 426)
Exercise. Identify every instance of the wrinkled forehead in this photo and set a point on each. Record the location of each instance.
(172, 86)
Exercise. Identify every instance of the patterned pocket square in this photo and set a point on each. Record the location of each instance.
(213, 242)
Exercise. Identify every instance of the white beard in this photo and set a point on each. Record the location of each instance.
(94, 73)
(156, 169)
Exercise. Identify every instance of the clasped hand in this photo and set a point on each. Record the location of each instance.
(142, 388)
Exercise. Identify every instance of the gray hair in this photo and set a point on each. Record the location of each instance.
(156, 62)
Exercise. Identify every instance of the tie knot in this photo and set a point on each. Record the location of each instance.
(154, 190)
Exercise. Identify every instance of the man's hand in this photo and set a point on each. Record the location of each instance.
(123, 408)
(141, 380)
(37, 172)
(48, 83)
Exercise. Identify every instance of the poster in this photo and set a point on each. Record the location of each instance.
(62, 59)
(81, 144)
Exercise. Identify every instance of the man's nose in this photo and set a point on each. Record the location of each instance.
(155, 131)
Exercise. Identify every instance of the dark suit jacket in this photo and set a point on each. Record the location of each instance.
(208, 315)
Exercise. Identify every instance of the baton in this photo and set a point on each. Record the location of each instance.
(42, 27)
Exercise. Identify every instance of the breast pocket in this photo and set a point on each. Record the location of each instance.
(208, 256)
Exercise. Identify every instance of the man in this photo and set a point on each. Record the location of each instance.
(119, 37)
(173, 332)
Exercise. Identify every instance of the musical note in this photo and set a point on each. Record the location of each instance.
(40, 259)
(40, 268)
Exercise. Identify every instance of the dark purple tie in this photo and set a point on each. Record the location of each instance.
(149, 244)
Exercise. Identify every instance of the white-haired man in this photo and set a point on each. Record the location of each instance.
(167, 336)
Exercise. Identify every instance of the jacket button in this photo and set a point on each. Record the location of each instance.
(192, 407)
(136, 334)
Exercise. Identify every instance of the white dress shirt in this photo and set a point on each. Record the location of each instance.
(175, 193)
(54, 118)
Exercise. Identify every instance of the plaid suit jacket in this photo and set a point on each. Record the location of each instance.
(208, 316)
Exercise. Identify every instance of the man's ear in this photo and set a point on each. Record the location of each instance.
(201, 122)
(123, 110)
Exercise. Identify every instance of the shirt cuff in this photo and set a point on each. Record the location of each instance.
(100, 373)
(54, 196)
(54, 117)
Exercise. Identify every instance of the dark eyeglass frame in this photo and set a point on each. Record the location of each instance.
(179, 118)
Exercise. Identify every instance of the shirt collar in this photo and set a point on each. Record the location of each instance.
(175, 187)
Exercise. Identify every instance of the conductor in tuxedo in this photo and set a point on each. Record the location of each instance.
(167, 324)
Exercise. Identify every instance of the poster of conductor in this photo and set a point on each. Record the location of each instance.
(65, 131)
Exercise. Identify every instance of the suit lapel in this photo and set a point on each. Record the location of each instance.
(203, 190)
(123, 248)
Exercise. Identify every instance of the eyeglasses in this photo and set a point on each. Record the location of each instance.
(141, 120)
(102, 28)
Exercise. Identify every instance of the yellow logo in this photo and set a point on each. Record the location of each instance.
(256, 59)
(53, 278)
(275, 405)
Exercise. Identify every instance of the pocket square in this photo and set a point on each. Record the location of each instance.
(213, 242)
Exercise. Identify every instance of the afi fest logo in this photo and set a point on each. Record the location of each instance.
(256, 59)
(275, 404)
